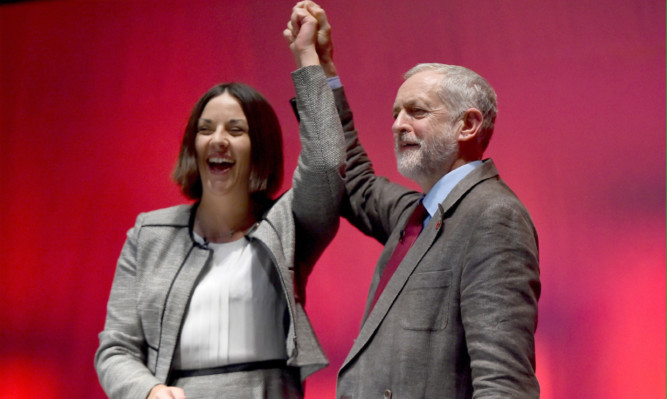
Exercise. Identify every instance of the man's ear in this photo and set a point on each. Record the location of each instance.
(472, 124)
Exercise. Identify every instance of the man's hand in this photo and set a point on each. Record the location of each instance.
(164, 392)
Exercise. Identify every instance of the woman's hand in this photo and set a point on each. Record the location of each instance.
(164, 392)
(324, 43)
(301, 33)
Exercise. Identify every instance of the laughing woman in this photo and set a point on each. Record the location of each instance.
(207, 298)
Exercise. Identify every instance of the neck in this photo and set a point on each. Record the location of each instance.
(224, 219)
(428, 182)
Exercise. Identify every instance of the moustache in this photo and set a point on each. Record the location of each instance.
(407, 139)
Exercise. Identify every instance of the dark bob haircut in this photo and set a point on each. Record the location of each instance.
(266, 144)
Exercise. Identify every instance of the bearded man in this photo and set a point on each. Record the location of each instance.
(452, 306)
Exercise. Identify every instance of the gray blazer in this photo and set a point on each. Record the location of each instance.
(457, 319)
(160, 262)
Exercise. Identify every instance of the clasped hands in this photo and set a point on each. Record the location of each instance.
(309, 34)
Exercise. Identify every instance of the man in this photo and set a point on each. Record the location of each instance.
(457, 316)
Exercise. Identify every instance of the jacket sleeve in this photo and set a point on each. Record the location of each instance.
(500, 287)
(120, 360)
(372, 204)
(318, 179)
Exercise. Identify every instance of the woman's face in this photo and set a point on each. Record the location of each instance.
(222, 144)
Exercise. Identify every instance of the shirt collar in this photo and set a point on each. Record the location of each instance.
(445, 185)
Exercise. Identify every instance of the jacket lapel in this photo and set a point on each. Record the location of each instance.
(407, 266)
(182, 266)
(178, 298)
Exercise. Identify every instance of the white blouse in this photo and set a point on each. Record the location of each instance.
(237, 311)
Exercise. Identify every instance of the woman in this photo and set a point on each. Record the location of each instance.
(203, 301)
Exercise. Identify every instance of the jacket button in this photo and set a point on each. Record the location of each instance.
(387, 394)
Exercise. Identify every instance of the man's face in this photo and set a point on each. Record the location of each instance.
(425, 139)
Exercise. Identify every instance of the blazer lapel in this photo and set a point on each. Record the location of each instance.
(396, 283)
(183, 282)
(485, 171)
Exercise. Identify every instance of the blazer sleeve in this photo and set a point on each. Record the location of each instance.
(317, 183)
(372, 204)
(120, 360)
(500, 287)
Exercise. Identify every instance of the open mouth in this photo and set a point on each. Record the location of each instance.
(406, 142)
(219, 164)
(408, 145)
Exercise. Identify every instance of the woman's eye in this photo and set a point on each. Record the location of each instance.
(237, 130)
(203, 130)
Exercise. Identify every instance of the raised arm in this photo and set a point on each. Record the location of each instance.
(318, 184)
(372, 203)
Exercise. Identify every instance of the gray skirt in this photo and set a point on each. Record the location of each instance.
(276, 383)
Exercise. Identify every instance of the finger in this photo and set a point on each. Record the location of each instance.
(292, 29)
(177, 393)
(303, 4)
(294, 22)
(288, 36)
(300, 6)
(316, 10)
(320, 15)
(301, 16)
(296, 19)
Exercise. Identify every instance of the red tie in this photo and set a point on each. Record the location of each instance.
(408, 237)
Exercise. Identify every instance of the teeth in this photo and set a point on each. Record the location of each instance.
(218, 160)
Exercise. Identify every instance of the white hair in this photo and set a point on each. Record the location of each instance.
(463, 89)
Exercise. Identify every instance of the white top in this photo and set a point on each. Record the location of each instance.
(237, 311)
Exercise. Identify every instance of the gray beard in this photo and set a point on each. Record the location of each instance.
(430, 160)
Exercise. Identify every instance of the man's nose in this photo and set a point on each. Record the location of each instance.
(400, 123)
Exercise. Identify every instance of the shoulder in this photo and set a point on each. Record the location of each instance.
(160, 227)
(483, 193)
(492, 189)
(493, 209)
(279, 211)
(176, 216)
(484, 184)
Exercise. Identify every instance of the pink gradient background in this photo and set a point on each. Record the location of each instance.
(94, 96)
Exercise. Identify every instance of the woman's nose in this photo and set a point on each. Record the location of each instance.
(220, 137)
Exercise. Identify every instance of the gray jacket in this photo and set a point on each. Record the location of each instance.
(160, 262)
(457, 318)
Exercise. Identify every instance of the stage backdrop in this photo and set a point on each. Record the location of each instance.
(93, 100)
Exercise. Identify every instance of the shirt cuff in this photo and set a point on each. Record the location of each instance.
(334, 82)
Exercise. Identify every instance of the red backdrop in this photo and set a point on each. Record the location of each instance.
(94, 96)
